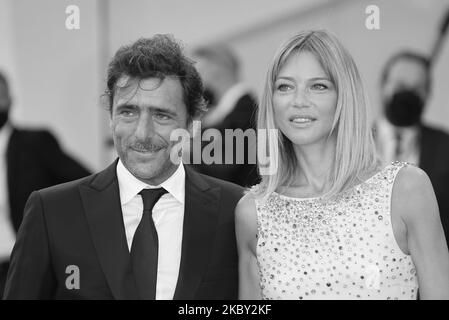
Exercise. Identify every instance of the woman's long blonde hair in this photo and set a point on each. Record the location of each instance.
(355, 153)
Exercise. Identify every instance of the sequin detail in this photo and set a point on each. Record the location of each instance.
(334, 249)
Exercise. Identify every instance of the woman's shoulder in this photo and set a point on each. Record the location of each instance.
(410, 176)
(388, 172)
(248, 201)
(255, 190)
(412, 191)
(245, 211)
(411, 180)
(246, 220)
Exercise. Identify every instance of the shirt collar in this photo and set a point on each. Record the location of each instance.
(130, 186)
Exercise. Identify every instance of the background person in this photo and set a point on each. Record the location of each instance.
(29, 160)
(231, 105)
(401, 134)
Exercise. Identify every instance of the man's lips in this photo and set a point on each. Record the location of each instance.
(147, 151)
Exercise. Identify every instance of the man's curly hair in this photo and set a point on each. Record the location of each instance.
(159, 56)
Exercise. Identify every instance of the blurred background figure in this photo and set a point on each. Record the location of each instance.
(401, 134)
(231, 105)
(29, 160)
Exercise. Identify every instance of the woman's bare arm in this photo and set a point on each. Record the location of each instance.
(415, 203)
(246, 233)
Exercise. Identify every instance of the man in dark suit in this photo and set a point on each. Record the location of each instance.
(401, 134)
(232, 106)
(30, 160)
(146, 227)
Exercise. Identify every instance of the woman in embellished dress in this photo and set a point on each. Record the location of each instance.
(330, 223)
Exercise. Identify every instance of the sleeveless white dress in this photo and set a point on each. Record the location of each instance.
(312, 248)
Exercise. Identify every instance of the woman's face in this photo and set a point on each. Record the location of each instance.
(304, 100)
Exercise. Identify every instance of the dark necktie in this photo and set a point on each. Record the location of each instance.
(144, 249)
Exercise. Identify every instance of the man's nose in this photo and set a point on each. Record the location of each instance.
(145, 126)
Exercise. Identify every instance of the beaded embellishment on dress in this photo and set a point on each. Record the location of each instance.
(334, 249)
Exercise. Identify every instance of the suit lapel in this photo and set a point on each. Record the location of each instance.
(200, 222)
(101, 200)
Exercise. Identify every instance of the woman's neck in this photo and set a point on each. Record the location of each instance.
(315, 165)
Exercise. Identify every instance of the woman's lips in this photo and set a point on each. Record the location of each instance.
(302, 119)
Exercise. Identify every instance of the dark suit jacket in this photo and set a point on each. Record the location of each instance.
(435, 162)
(241, 117)
(80, 223)
(35, 161)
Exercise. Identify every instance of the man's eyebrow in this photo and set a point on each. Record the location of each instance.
(167, 111)
(125, 106)
(153, 109)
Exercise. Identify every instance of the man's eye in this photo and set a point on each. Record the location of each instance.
(127, 113)
(319, 86)
(161, 116)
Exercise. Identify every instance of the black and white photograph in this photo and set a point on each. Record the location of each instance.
(224, 155)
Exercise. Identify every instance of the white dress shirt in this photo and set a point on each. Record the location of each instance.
(7, 233)
(168, 216)
(387, 143)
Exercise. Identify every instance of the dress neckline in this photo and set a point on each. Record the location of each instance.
(322, 196)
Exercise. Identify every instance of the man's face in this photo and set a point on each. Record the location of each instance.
(405, 74)
(144, 114)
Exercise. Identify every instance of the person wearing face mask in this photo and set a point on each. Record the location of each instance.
(231, 105)
(29, 160)
(401, 134)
